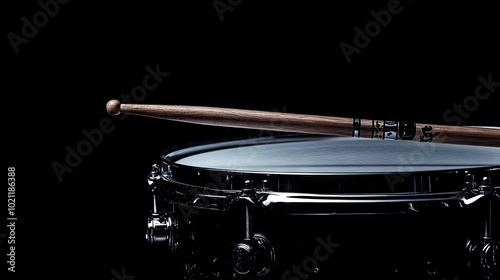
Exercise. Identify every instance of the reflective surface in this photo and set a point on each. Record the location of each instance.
(334, 155)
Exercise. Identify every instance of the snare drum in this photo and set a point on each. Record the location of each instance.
(324, 207)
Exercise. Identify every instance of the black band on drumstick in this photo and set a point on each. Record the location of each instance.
(407, 130)
(356, 127)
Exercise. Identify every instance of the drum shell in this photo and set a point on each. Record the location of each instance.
(410, 246)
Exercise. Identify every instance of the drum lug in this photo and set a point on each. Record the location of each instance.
(255, 256)
(483, 254)
(250, 190)
(470, 186)
(162, 229)
(155, 175)
(486, 187)
(247, 194)
(490, 250)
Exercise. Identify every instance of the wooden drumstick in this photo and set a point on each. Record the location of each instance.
(313, 124)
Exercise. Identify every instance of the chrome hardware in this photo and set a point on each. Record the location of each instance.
(255, 256)
(483, 252)
(486, 187)
(154, 175)
(162, 229)
(489, 256)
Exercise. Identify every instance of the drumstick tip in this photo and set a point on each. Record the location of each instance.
(113, 107)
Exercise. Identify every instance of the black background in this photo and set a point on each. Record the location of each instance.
(282, 55)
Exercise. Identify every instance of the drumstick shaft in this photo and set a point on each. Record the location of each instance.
(313, 124)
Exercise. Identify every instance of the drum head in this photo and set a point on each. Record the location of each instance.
(333, 155)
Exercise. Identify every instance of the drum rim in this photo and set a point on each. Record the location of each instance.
(187, 185)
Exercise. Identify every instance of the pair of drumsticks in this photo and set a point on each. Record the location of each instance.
(313, 124)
